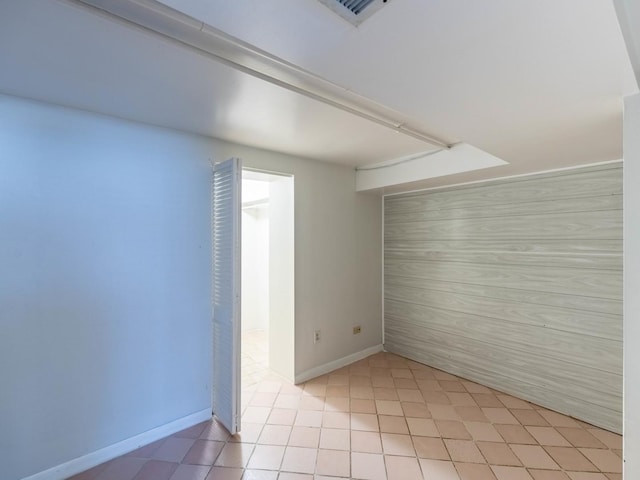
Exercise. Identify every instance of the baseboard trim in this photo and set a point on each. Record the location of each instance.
(105, 454)
(335, 364)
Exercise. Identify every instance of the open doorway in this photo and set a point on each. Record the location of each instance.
(267, 311)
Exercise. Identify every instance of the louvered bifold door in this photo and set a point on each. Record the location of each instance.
(225, 221)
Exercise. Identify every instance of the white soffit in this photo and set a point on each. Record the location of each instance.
(539, 84)
(56, 52)
(460, 158)
(629, 16)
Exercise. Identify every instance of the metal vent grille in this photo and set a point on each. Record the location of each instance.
(356, 6)
(354, 11)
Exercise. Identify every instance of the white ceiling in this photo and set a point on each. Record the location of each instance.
(538, 84)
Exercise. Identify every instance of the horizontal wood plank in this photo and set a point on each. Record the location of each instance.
(516, 284)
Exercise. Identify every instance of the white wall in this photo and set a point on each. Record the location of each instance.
(282, 276)
(104, 282)
(631, 287)
(338, 255)
(255, 268)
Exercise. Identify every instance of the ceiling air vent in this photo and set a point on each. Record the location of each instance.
(354, 11)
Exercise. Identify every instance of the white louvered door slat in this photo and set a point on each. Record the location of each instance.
(225, 224)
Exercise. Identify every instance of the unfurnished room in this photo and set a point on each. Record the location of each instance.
(319, 239)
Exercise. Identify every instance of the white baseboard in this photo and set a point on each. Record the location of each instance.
(105, 454)
(334, 365)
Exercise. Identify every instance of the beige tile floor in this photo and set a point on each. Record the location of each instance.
(384, 417)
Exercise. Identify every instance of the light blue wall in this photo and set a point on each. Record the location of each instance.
(104, 282)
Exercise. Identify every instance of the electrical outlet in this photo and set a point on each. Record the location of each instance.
(357, 329)
(316, 336)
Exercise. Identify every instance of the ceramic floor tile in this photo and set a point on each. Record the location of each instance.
(557, 419)
(533, 456)
(386, 393)
(256, 414)
(548, 474)
(461, 399)
(304, 437)
(498, 453)
(402, 468)
(308, 418)
(260, 475)
(483, 431)
(224, 473)
(203, 452)
(452, 429)
(432, 448)
(515, 434)
(192, 432)
(408, 395)
(443, 412)
(548, 436)
(174, 449)
(190, 472)
(424, 427)
(299, 460)
(438, 470)
(474, 471)
(487, 400)
(337, 404)
(333, 463)
(381, 417)
(436, 397)
(586, 476)
(513, 402)
(416, 410)
(500, 415)
(334, 439)
(147, 451)
(580, 437)
(605, 460)
(294, 476)
(156, 470)
(367, 466)
(250, 433)
(284, 416)
(335, 420)
(611, 440)
(510, 473)
(122, 468)
(364, 421)
(452, 386)
(471, 414)
(359, 405)
(391, 424)
(396, 444)
(311, 403)
(464, 451)
(472, 387)
(529, 417)
(235, 455)
(366, 442)
(266, 457)
(275, 435)
(389, 407)
(571, 459)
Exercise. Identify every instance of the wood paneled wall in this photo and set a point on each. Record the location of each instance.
(516, 284)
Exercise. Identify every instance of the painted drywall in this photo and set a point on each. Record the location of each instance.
(282, 276)
(516, 284)
(338, 262)
(255, 268)
(631, 287)
(105, 283)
